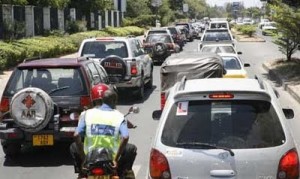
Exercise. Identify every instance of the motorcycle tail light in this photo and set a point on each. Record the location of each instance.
(159, 166)
(4, 105)
(98, 171)
(289, 165)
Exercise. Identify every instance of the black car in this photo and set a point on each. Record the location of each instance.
(43, 98)
(160, 46)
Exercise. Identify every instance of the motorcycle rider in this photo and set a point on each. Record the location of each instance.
(104, 114)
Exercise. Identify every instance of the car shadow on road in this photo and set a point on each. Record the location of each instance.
(128, 98)
(40, 157)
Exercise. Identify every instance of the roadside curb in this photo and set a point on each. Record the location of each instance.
(293, 90)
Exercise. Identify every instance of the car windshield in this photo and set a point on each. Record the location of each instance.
(218, 49)
(216, 36)
(54, 81)
(101, 49)
(158, 38)
(231, 63)
(235, 124)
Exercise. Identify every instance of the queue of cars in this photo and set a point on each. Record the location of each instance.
(214, 117)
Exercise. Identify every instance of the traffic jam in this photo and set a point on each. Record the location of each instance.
(199, 108)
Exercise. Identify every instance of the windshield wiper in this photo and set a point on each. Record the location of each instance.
(58, 89)
(199, 144)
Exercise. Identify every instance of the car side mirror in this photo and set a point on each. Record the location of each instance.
(289, 113)
(239, 53)
(156, 114)
(246, 65)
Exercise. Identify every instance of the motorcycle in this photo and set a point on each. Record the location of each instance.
(99, 162)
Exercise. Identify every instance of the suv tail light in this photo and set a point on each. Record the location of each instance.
(159, 166)
(133, 69)
(288, 165)
(4, 105)
(85, 101)
(162, 100)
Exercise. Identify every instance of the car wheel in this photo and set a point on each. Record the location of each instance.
(149, 85)
(32, 109)
(141, 90)
(11, 149)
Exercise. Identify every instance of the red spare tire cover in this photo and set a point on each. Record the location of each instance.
(31, 109)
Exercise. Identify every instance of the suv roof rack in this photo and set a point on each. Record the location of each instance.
(32, 58)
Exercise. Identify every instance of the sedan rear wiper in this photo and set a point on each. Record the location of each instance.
(58, 89)
(199, 144)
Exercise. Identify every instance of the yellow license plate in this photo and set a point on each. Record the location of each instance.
(42, 140)
(99, 177)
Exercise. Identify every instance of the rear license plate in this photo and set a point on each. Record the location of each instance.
(42, 140)
(99, 177)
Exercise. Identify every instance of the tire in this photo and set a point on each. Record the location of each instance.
(115, 74)
(149, 85)
(141, 90)
(32, 109)
(11, 149)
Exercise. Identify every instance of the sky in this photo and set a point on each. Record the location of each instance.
(247, 3)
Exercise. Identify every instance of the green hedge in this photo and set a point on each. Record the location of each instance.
(14, 52)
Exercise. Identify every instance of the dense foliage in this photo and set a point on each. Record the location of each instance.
(288, 23)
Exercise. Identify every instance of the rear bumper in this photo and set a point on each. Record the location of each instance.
(65, 134)
(131, 83)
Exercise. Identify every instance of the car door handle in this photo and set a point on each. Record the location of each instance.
(222, 173)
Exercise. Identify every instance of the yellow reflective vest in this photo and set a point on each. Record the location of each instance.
(102, 130)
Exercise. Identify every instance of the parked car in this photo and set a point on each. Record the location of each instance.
(234, 66)
(128, 66)
(160, 46)
(262, 22)
(41, 99)
(184, 32)
(269, 28)
(190, 35)
(248, 21)
(218, 48)
(177, 36)
(229, 128)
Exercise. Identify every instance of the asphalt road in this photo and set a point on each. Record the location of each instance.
(50, 163)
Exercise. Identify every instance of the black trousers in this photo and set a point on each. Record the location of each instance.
(125, 162)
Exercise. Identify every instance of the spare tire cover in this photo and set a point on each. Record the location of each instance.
(160, 48)
(115, 67)
(31, 109)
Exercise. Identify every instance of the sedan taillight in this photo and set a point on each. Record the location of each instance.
(289, 165)
(159, 166)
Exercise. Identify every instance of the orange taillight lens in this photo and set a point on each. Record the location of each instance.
(159, 166)
(288, 165)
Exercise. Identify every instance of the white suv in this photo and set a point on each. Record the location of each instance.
(124, 59)
(223, 128)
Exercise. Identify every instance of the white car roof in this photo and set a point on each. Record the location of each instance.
(222, 84)
(228, 54)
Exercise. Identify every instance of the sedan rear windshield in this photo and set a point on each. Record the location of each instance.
(239, 124)
(54, 81)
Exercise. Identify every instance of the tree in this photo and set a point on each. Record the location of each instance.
(288, 23)
(53, 3)
(14, 2)
(136, 8)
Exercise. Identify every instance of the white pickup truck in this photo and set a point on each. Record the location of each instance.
(124, 60)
